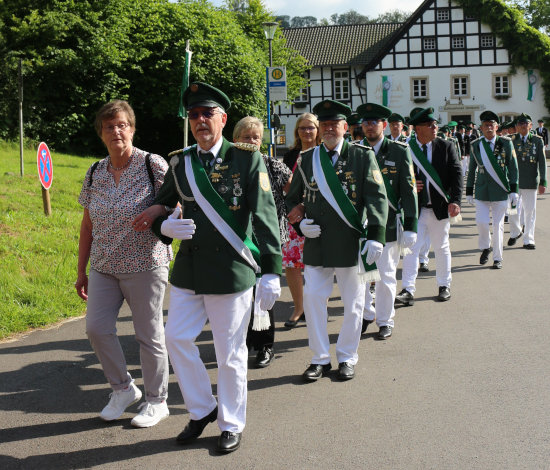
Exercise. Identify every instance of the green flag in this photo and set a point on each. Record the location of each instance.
(185, 81)
(532, 78)
(386, 89)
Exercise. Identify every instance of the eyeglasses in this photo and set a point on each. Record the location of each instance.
(121, 127)
(207, 114)
(371, 122)
(307, 129)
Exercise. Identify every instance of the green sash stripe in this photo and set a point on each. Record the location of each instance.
(392, 197)
(349, 212)
(427, 167)
(498, 170)
(219, 205)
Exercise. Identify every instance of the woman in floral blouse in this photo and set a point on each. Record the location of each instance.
(249, 130)
(127, 262)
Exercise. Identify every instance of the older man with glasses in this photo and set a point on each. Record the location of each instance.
(220, 186)
(492, 185)
(439, 186)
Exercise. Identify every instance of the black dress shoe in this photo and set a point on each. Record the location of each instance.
(529, 246)
(497, 265)
(444, 294)
(485, 256)
(293, 323)
(346, 371)
(229, 441)
(512, 240)
(365, 325)
(316, 371)
(423, 268)
(405, 297)
(264, 357)
(384, 332)
(195, 427)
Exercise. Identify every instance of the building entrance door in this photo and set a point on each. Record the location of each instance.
(461, 117)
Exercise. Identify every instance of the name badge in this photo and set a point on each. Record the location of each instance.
(387, 162)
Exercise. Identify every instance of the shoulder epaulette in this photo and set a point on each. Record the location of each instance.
(504, 137)
(399, 142)
(513, 137)
(183, 150)
(358, 144)
(475, 140)
(245, 146)
(537, 136)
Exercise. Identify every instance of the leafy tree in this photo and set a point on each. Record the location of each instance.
(303, 21)
(78, 54)
(393, 16)
(350, 17)
(283, 20)
(537, 12)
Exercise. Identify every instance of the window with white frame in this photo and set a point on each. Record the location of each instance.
(303, 95)
(443, 15)
(460, 86)
(341, 84)
(501, 85)
(429, 44)
(487, 40)
(458, 42)
(419, 87)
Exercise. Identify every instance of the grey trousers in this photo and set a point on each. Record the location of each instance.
(144, 293)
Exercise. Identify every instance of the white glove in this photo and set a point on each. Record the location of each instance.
(514, 198)
(373, 249)
(174, 227)
(470, 200)
(409, 239)
(268, 291)
(308, 229)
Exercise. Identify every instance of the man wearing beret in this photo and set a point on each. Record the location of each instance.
(219, 187)
(396, 127)
(339, 183)
(531, 160)
(395, 163)
(493, 174)
(543, 132)
(439, 186)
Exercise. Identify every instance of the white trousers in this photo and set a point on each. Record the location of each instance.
(228, 315)
(484, 211)
(423, 255)
(465, 163)
(317, 289)
(438, 231)
(384, 310)
(527, 212)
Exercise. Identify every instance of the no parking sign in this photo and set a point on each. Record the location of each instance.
(44, 164)
(45, 173)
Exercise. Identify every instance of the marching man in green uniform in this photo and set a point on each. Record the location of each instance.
(531, 160)
(395, 163)
(493, 173)
(338, 183)
(396, 127)
(219, 187)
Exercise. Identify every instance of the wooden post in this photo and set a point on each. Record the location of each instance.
(46, 201)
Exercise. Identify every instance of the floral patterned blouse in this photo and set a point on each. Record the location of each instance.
(279, 174)
(116, 246)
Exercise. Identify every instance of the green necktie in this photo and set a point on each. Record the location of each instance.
(206, 159)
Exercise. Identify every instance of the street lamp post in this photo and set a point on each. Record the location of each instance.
(269, 30)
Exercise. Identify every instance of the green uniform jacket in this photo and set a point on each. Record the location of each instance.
(531, 161)
(486, 188)
(395, 162)
(338, 245)
(208, 264)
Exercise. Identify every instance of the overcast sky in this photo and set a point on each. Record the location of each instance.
(324, 8)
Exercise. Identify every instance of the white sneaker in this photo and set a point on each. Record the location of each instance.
(120, 400)
(150, 414)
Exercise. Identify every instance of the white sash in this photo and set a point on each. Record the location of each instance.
(489, 166)
(227, 232)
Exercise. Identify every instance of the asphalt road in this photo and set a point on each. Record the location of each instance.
(460, 385)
